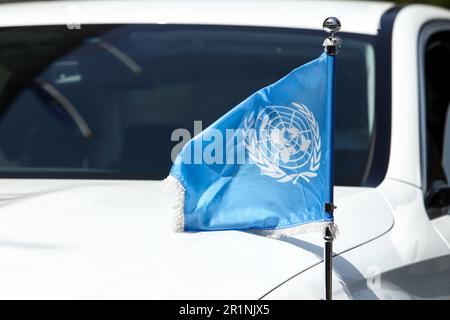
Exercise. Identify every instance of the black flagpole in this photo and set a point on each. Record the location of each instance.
(328, 257)
(331, 25)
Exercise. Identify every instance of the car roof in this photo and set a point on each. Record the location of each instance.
(356, 16)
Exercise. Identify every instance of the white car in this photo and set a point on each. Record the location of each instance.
(91, 91)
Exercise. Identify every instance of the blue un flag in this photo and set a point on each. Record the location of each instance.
(266, 166)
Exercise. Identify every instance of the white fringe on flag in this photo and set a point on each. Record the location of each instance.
(174, 185)
(171, 183)
(311, 227)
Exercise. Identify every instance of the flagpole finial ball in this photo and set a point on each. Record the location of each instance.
(331, 25)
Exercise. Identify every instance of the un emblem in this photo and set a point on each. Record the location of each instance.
(284, 142)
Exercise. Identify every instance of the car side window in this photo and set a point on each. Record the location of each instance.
(437, 123)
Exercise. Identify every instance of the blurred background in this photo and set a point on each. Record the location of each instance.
(442, 3)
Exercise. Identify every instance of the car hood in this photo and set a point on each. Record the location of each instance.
(62, 239)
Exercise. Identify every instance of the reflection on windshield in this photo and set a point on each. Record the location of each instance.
(121, 56)
(56, 96)
(103, 101)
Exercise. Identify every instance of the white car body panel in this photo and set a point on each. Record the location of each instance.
(405, 100)
(112, 239)
(412, 240)
(88, 239)
(358, 17)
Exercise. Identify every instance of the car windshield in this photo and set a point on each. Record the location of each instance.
(103, 101)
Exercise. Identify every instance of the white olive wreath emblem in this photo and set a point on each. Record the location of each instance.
(271, 168)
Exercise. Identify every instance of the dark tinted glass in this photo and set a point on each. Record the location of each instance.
(103, 101)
